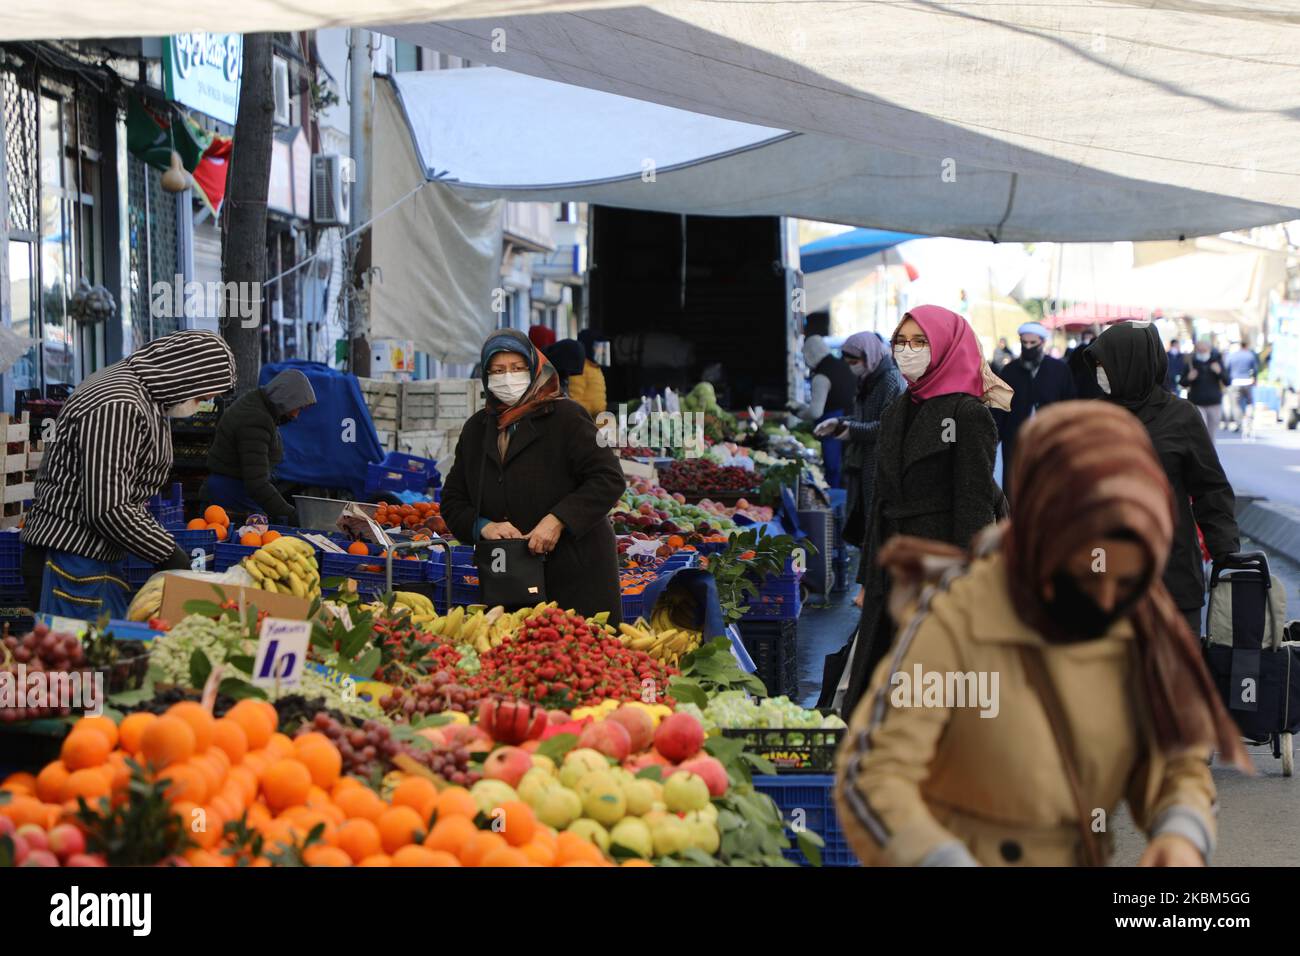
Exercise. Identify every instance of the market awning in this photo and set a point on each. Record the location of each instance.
(843, 247)
(585, 145)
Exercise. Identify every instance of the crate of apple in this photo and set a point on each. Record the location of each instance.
(32, 845)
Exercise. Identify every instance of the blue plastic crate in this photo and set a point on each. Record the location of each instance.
(350, 565)
(778, 598)
(11, 552)
(229, 554)
(812, 794)
(402, 472)
(138, 571)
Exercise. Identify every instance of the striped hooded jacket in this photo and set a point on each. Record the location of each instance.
(112, 449)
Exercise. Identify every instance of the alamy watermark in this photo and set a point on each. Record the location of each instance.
(81, 691)
(222, 300)
(946, 689)
(683, 430)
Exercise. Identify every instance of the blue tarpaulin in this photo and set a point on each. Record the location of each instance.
(702, 587)
(847, 246)
(331, 442)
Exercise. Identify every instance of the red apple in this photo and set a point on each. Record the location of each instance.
(557, 717)
(508, 764)
(608, 737)
(36, 837)
(710, 770)
(67, 841)
(40, 858)
(639, 725)
(679, 737)
(85, 859)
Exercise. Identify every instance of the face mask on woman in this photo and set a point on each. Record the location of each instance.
(510, 387)
(912, 363)
(1078, 614)
(1103, 382)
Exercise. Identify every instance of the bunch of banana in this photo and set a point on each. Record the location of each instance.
(660, 638)
(285, 566)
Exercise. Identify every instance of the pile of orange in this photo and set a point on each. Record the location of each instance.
(252, 539)
(406, 516)
(214, 519)
(219, 770)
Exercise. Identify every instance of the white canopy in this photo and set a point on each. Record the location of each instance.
(1115, 119)
(498, 133)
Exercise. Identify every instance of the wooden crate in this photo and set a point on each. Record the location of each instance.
(15, 462)
(16, 428)
(19, 492)
(35, 455)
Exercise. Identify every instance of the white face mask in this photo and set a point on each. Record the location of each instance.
(510, 387)
(912, 363)
(1103, 382)
(184, 409)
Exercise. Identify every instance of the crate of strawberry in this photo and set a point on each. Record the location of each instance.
(560, 660)
(697, 477)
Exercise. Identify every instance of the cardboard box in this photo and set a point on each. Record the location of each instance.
(636, 469)
(180, 588)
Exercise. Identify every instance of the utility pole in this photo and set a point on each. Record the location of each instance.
(243, 249)
(360, 133)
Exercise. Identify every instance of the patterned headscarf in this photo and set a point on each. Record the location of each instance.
(1094, 462)
(545, 385)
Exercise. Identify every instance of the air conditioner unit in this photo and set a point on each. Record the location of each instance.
(332, 176)
(280, 80)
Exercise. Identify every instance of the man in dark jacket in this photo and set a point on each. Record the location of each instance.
(1204, 377)
(1177, 362)
(1134, 366)
(1036, 379)
(247, 447)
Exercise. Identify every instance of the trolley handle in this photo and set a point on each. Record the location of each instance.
(1242, 561)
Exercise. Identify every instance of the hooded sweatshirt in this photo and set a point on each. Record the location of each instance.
(833, 383)
(112, 449)
(247, 444)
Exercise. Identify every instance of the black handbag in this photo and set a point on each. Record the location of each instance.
(509, 574)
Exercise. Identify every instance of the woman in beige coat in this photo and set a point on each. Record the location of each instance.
(1036, 686)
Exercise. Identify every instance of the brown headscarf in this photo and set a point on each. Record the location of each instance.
(545, 385)
(1094, 462)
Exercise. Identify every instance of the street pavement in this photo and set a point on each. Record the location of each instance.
(1266, 465)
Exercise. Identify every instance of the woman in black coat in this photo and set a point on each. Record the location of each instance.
(934, 464)
(1133, 364)
(532, 462)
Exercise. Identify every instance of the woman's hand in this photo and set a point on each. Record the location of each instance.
(1171, 850)
(497, 530)
(857, 598)
(543, 538)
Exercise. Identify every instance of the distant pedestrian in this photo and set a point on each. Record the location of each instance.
(1036, 380)
(588, 388)
(1177, 361)
(1001, 356)
(1242, 368)
(1131, 366)
(833, 386)
(1204, 378)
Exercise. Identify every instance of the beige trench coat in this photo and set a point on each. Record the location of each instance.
(928, 780)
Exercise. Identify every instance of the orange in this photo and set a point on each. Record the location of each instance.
(279, 746)
(450, 834)
(258, 815)
(103, 724)
(131, 730)
(197, 524)
(166, 741)
(324, 762)
(325, 856)
(359, 803)
(84, 747)
(222, 805)
(49, 782)
(91, 784)
(378, 859)
(345, 783)
(505, 856)
(633, 861)
(210, 832)
(480, 845)
(231, 738)
(251, 539)
(419, 856)
(417, 793)
(119, 772)
(220, 758)
(311, 737)
(219, 530)
(358, 547)
(254, 721)
(246, 780)
(200, 857)
(399, 826)
(285, 784)
(214, 775)
(539, 853)
(358, 839)
(21, 782)
(199, 719)
(187, 783)
(520, 822)
(456, 801)
(256, 763)
(571, 848)
(215, 514)
(269, 536)
(267, 708)
(24, 808)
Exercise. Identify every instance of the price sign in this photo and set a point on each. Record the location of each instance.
(281, 652)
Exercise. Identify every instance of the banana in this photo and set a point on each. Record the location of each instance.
(632, 631)
(269, 560)
(254, 571)
(269, 585)
(454, 618)
(641, 643)
(296, 585)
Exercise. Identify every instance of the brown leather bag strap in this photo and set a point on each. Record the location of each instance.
(1041, 681)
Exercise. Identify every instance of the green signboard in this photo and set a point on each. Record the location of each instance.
(201, 70)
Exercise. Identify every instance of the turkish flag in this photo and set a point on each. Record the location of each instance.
(210, 174)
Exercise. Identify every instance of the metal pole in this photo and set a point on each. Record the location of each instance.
(360, 128)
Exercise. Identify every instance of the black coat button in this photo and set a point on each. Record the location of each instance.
(1010, 851)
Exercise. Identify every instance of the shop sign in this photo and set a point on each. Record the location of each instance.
(392, 355)
(201, 70)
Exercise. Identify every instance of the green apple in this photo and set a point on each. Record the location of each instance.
(543, 762)
(591, 831)
(685, 792)
(640, 797)
(489, 794)
(671, 836)
(602, 800)
(634, 835)
(558, 807)
(579, 763)
(534, 785)
(703, 836)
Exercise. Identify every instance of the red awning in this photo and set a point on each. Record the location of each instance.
(1084, 314)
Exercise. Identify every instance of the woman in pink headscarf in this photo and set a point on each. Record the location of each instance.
(934, 463)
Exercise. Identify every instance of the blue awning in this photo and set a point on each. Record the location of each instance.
(847, 246)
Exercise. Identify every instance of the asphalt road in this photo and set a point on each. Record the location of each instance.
(1267, 465)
